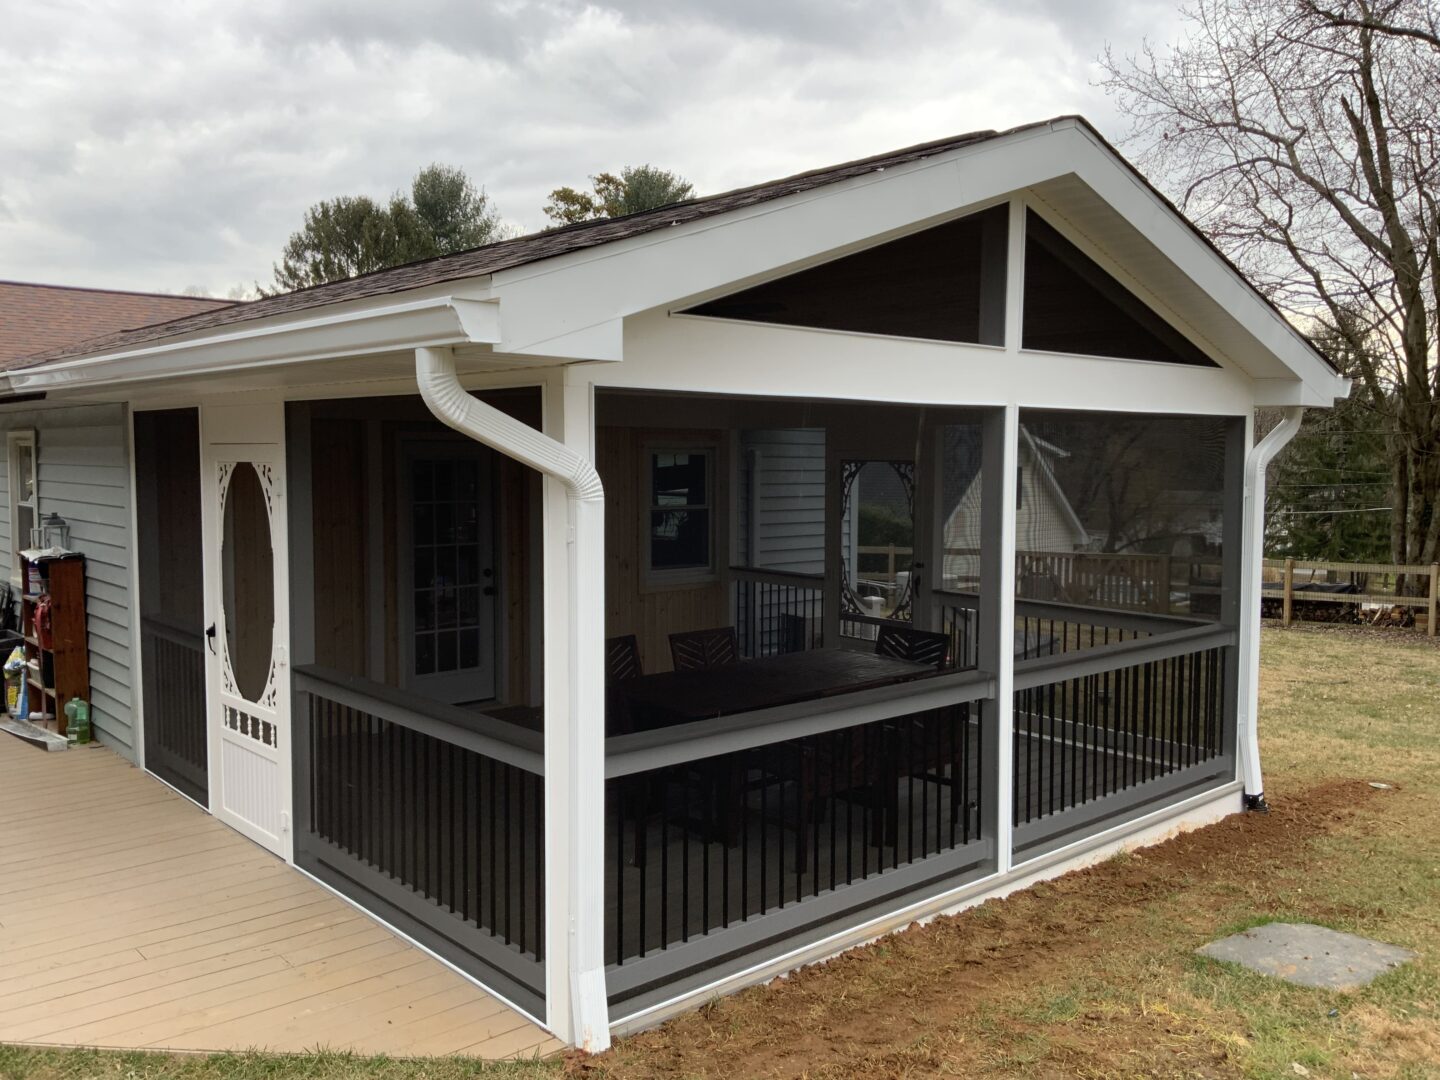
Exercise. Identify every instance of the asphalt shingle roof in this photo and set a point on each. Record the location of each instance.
(508, 254)
(37, 318)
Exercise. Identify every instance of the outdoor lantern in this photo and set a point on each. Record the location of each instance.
(54, 532)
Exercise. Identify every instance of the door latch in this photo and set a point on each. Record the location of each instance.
(210, 636)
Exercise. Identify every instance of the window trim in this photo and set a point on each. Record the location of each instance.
(13, 441)
(662, 577)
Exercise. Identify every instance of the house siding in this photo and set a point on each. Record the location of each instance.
(784, 472)
(84, 476)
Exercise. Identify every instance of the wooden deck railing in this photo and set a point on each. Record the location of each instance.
(1389, 584)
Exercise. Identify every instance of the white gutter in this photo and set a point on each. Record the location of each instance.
(1256, 462)
(439, 320)
(583, 1019)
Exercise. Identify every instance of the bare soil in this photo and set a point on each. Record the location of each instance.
(932, 1001)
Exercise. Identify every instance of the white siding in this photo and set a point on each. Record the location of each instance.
(84, 476)
(786, 487)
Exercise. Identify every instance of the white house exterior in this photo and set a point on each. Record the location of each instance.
(385, 529)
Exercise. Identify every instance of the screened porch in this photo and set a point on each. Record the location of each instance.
(803, 625)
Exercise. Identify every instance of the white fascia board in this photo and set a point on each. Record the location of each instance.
(552, 300)
(1282, 392)
(1097, 166)
(433, 321)
(731, 357)
(551, 305)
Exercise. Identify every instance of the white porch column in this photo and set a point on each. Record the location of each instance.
(574, 735)
(574, 606)
(999, 464)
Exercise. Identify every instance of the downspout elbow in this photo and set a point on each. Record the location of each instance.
(457, 408)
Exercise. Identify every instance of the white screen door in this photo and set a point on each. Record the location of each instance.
(246, 606)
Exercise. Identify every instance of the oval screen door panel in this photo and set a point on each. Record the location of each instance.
(248, 568)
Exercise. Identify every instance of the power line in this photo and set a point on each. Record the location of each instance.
(1306, 513)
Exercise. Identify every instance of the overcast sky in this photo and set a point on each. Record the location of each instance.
(166, 146)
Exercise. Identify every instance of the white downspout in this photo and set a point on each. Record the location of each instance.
(584, 1017)
(1256, 462)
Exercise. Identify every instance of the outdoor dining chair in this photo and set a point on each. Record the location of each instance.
(695, 649)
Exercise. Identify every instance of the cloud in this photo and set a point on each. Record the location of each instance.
(160, 146)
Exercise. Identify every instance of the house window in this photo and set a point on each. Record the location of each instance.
(23, 515)
(679, 515)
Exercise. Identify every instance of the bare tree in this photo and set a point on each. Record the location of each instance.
(1303, 136)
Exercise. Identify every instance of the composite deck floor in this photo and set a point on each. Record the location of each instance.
(129, 918)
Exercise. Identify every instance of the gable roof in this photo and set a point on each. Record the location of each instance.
(508, 254)
(36, 318)
(218, 325)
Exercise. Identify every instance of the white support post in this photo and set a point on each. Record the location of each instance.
(574, 658)
(574, 738)
(999, 455)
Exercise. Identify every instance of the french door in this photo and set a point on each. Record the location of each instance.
(246, 606)
(447, 570)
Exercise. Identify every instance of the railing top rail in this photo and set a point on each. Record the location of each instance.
(477, 732)
(777, 577)
(1050, 669)
(188, 636)
(695, 741)
(1120, 618)
(1349, 567)
(1081, 613)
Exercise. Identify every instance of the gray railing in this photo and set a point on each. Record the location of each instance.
(430, 815)
(175, 706)
(776, 612)
(1103, 733)
(729, 835)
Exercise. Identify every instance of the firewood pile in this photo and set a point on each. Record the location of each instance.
(1393, 615)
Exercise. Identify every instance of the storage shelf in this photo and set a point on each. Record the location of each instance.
(65, 662)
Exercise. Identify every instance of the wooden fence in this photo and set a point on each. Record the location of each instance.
(1388, 584)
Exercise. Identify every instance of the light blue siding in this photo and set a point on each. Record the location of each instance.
(84, 476)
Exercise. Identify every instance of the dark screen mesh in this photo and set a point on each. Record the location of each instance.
(1121, 511)
(1073, 306)
(946, 283)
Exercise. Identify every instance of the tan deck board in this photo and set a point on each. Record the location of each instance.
(159, 927)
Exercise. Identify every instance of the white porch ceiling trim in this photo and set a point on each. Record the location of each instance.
(435, 321)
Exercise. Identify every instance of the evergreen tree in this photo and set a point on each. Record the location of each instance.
(354, 234)
(637, 188)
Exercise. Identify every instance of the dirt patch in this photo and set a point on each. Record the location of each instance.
(959, 996)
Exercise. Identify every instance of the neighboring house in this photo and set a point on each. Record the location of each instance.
(407, 541)
(1044, 519)
(74, 461)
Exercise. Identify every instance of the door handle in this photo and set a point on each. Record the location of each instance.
(210, 636)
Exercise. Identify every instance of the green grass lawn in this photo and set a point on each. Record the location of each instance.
(1094, 975)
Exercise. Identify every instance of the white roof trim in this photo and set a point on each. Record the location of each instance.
(441, 320)
(572, 306)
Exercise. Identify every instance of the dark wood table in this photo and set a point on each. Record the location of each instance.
(679, 697)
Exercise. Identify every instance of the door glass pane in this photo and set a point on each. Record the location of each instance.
(877, 542)
(447, 560)
(248, 567)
